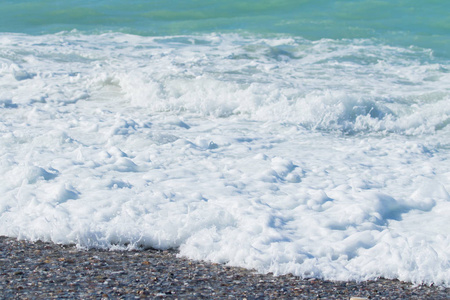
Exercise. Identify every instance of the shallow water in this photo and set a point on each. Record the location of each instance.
(400, 23)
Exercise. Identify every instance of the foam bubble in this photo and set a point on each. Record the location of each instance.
(323, 158)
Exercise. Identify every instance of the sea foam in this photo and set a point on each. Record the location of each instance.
(324, 159)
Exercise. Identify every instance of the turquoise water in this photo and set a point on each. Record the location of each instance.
(405, 23)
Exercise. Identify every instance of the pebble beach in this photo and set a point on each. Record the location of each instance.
(38, 270)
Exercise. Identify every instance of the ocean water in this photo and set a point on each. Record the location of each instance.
(305, 137)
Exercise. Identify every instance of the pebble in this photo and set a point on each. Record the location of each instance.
(48, 271)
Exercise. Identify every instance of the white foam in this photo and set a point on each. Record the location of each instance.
(324, 158)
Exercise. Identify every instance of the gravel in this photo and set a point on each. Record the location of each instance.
(38, 270)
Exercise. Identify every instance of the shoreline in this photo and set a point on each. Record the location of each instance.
(33, 270)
